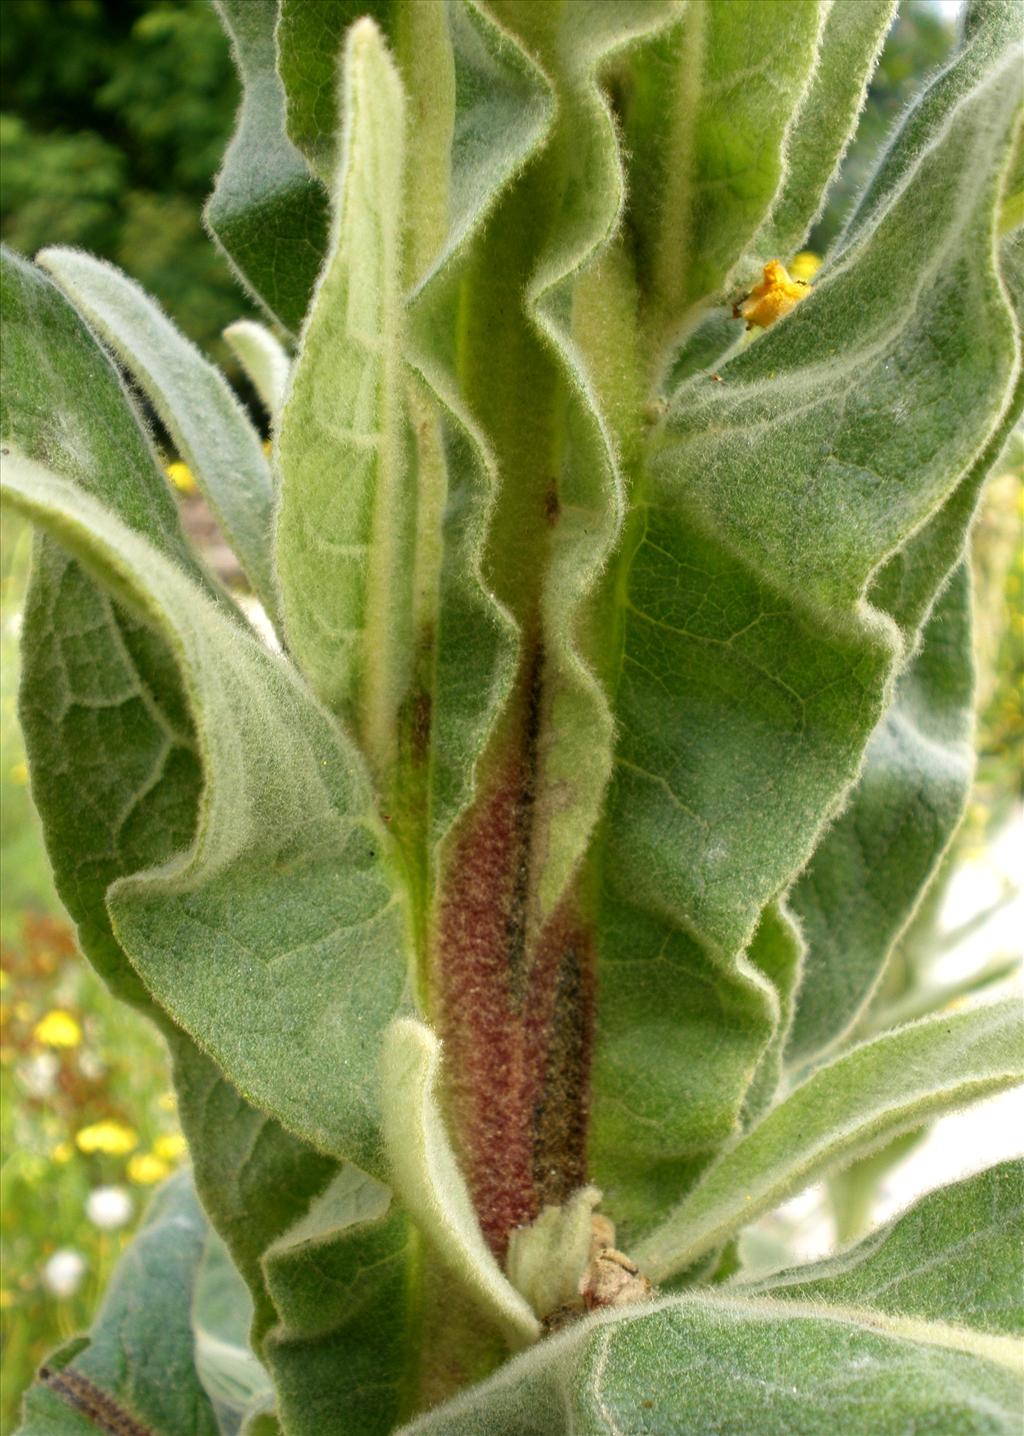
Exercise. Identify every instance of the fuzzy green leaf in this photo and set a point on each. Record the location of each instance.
(823, 124)
(212, 432)
(954, 1257)
(754, 670)
(309, 37)
(905, 1332)
(115, 772)
(136, 1373)
(343, 537)
(427, 1178)
(866, 877)
(339, 1280)
(267, 212)
(848, 1108)
(264, 360)
(709, 107)
(301, 976)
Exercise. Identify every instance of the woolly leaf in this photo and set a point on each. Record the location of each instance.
(709, 108)
(264, 360)
(427, 1178)
(343, 539)
(267, 212)
(136, 1372)
(340, 1285)
(115, 773)
(290, 996)
(954, 1257)
(904, 1332)
(865, 879)
(210, 429)
(823, 124)
(754, 671)
(309, 36)
(856, 1103)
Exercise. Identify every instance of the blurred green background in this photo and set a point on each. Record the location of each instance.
(113, 118)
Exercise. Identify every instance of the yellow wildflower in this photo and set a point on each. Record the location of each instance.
(18, 773)
(146, 1168)
(57, 1029)
(181, 477)
(113, 1138)
(62, 1152)
(170, 1148)
(775, 296)
(805, 265)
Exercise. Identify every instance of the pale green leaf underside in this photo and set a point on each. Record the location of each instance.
(264, 360)
(856, 1103)
(140, 1356)
(232, 1377)
(427, 1179)
(211, 430)
(284, 890)
(343, 531)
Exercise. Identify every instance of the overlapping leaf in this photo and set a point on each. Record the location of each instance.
(136, 1372)
(284, 891)
(267, 212)
(867, 874)
(906, 1331)
(753, 673)
(708, 110)
(97, 685)
(343, 531)
(212, 432)
(853, 1105)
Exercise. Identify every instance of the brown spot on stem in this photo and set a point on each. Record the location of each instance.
(552, 507)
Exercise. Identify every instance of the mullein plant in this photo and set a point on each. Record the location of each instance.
(511, 918)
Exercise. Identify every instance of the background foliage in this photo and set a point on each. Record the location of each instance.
(115, 116)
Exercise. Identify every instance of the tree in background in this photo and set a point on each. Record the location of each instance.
(115, 116)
